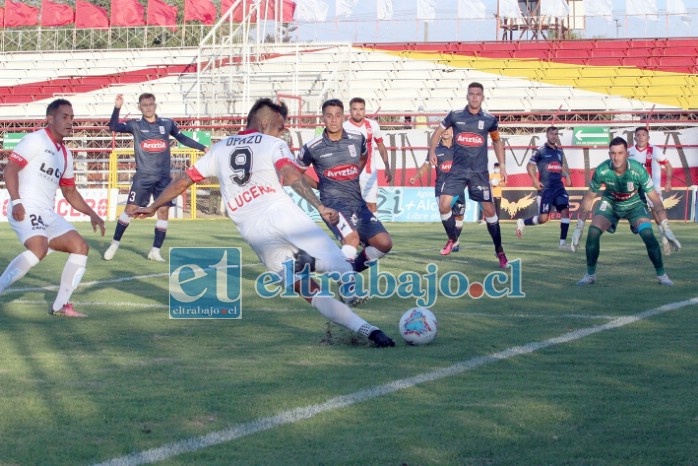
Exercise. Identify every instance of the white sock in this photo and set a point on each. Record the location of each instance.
(535, 220)
(70, 279)
(349, 251)
(18, 268)
(492, 220)
(373, 253)
(337, 312)
(124, 218)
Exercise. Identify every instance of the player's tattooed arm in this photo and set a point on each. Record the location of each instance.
(297, 181)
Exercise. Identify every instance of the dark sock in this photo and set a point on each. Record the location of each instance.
(528, 221)
(450, 227)
(120, 229)
(159, 238)
(496, 234)
(593, 248)
(653, 249)
(564, 227)
(360, 263)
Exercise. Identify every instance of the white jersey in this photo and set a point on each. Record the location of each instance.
(372, 132)
(246, 167)
(652, 159)
(46, 165)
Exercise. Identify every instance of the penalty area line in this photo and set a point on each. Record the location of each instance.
(299, 414)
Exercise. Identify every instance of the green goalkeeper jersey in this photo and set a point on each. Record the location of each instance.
(622, 190)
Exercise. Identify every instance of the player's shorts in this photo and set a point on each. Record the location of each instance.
(39, 222)
(358, 219)
(609, 209)
(478, 184)
(280, 231)
(144, 186)
(369, 186)
(555, 197)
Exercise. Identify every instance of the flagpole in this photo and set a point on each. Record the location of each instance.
(497, 27)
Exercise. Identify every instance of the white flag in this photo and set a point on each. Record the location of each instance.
(645, 8)
(471, 9)
(426, 10)
(554, 8)
(311, 10)
(599, 8)
(509, 9)
(343, 8)
(384, 9)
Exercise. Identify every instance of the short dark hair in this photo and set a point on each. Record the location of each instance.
(496, 164)
(332, 103)
(145, 95)
(618, 141)
(476, 84)
(53, 106)
(357, 100)
(642, 128)
(552, 128)
(281, 109)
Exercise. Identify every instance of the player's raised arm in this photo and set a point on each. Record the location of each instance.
(114, 124)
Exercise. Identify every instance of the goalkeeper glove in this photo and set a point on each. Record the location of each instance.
(668, 234)
(577, 235)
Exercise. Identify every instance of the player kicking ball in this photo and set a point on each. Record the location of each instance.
(248, 166)
(623, 179)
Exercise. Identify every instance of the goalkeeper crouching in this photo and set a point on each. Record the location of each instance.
(622, 179)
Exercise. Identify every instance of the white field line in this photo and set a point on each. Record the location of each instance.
(87, 284)
(307, 412)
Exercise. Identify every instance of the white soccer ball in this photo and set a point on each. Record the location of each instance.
(418, 326)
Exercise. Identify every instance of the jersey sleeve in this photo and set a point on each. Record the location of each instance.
(659, 156)
(447, 122)
(534, 157)
(203, 168)
(115, 126)
(595, 183)
(377, 133)
(23, 152)
(281, 155)
(68, 177)
(494, 130)
(364, 146)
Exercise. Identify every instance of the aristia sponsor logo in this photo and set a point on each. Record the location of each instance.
(470, 140)
(153, 145)
(342, 172)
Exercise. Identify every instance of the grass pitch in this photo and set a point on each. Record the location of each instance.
(128, 379)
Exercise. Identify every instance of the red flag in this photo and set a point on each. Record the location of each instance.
(56, 14)
(19, 14)
(127, 13)
(267, 10)
(89, 16)
(240, 10)
(200, 10)
(162, 14)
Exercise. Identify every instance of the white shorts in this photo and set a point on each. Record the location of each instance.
(659, 193)
(369, 186)
(281, 231)
(39, 222)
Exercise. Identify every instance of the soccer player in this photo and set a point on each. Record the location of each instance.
(444, 157)
(151, 144)
(622, 179)
(38, 165)
(549, 163)
(248, 166)
(370, 129)
(338, 157)
(470, 129)
(653, 160)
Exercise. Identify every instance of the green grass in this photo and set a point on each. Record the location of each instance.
(127, 379)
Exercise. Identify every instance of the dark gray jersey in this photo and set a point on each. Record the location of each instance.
(151, 142)
(337, 166)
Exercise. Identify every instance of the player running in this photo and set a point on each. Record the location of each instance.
(444, 157)
(248, 166)
(338, 157)
(38, 165)
(653, 160)
(151, 144)
(622, 179)
(470, 129)
(358, 123)
(549, 162)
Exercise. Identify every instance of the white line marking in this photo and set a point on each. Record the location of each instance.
(86, 284)
(118, 304)
(307, 412)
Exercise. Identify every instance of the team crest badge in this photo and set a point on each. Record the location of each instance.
(162, 130)
(480, 124)
(631, 186)
(352, 151)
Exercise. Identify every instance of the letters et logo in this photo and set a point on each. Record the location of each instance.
(205, 283)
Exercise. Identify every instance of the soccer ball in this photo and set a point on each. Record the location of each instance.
(418, 326)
